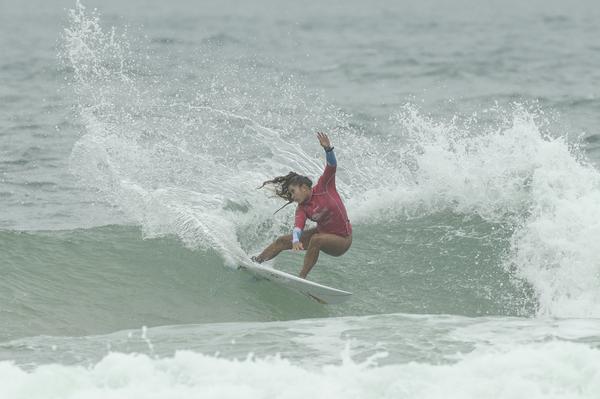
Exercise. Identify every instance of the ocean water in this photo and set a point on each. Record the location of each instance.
(134, 136)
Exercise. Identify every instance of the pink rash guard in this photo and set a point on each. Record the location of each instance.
(325, 207)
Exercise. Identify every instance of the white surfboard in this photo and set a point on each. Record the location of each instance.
(319, 292)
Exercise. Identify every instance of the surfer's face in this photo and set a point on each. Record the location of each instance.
(299, 193)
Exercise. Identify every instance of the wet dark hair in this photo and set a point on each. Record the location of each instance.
(282, 184)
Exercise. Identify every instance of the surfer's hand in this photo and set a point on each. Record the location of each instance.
(296, 246)
(323, 140)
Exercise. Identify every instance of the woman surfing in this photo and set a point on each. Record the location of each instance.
(321, 204)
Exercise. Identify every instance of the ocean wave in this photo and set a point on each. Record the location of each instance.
(176, 158)
(548, 370)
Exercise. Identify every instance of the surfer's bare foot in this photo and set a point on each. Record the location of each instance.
(257, 259)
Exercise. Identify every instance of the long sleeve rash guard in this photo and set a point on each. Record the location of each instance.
(324, 206)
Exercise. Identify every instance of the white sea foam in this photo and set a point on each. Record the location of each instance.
(548, 370)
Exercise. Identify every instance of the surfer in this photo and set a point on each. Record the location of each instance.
(321, 204)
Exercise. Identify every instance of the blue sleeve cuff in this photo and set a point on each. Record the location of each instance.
(330, 156)
(296, 233)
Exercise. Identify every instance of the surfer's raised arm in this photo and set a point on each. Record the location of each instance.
(327, 180)
(326, 144)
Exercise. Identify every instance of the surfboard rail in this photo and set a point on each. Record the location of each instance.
(318, 292)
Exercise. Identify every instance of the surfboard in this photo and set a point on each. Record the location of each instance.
(318, 292)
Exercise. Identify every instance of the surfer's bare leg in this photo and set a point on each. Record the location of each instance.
(282, 243)
(331, 244)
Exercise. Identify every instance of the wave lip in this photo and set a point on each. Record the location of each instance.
(538, 187)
